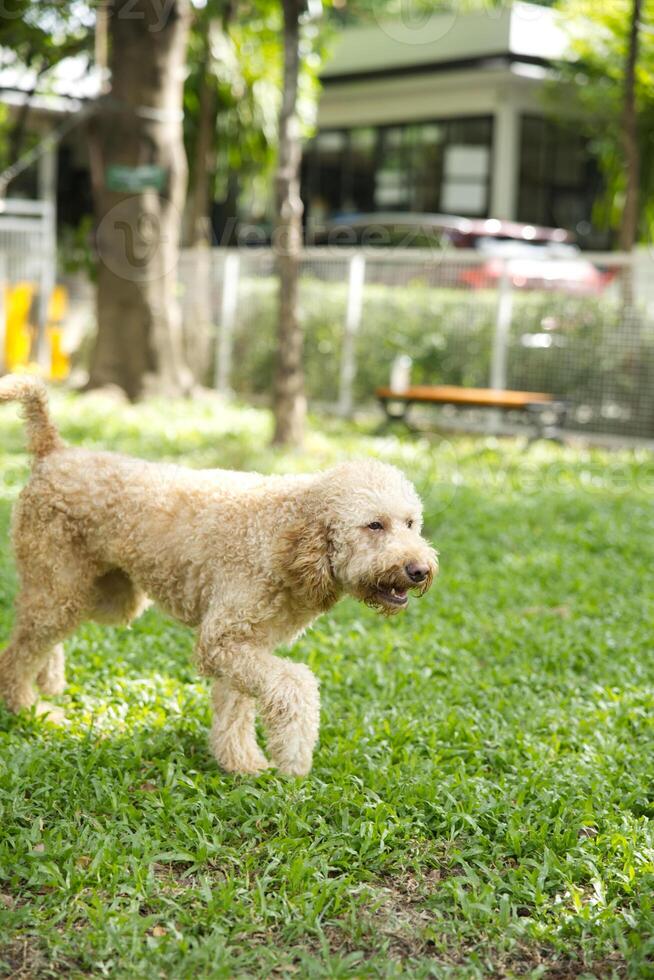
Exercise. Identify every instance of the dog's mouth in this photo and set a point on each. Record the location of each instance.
(391, 597)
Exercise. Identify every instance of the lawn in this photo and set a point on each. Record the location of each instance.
(482, 796)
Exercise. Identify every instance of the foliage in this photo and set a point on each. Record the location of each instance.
(239, 61)
(598, 37)
(481, 802)
(236, 49)
(36, 37)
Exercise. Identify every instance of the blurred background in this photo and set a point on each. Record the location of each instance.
(294, 201)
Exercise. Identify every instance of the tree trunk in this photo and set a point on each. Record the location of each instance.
(629, 223)
(289, 399)
(204, 163)
(139, 343)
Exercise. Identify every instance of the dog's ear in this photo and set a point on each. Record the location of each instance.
(304, 561)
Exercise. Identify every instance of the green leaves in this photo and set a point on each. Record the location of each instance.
(598, 37)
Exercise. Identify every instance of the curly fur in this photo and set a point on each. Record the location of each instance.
(248, 561)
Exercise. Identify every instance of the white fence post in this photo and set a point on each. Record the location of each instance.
(224, 343)
(47, 176)
(502, 327)
(3, 311)
(353, 313)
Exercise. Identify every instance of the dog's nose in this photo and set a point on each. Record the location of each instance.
(416, 572)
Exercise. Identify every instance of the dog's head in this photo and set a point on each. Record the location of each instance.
(360, 534)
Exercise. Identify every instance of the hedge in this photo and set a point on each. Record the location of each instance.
(573, 346)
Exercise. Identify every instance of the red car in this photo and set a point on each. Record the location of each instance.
(532, 256)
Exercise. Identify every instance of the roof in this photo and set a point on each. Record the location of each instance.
(70, 81)
(523, 31)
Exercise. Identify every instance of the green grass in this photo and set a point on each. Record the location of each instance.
(482, 797)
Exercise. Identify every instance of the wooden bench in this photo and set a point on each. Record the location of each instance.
(536, 404)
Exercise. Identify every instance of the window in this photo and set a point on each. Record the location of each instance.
(360, 171)
(392, 179)
(559, 179)
(418, 167)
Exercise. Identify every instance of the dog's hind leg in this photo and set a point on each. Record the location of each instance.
(51, 679)
(42, 623)
(56, 586)
(233, 738)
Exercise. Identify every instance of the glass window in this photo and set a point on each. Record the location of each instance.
(425, 148)
(467, 167)
(420, 167)
(323, 171)
(392, 177)
(360, 177)
(559, 179)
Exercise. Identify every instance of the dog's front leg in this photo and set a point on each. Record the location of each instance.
(233, 737)
(286, 693)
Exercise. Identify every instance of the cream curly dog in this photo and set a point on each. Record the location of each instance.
(247, 560)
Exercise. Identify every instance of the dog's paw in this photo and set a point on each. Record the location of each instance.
(248, 760)
(298, 767)
(50, 713)
(245, 767)
(292, 755)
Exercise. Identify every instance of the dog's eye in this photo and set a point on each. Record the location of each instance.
(409, 523)
(376, 526)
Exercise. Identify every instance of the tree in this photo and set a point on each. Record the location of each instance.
(35, 38)
(629, 222)
(139, 180)
(613, 79)
(230, 101)
(289, 397)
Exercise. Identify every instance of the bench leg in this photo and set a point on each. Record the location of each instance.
(399, 416)
(541, 428)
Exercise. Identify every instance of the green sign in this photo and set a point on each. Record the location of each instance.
(132, 180)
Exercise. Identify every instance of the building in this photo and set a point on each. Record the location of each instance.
(59, 167)
(445, 116)
(451, 116)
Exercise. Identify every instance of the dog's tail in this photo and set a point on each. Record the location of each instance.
(42, 435)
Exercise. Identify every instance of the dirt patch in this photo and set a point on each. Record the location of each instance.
(395, 918)
(524, 959)
(19, 960)
(22, 960)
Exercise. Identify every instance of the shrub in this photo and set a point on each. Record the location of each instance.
(573, 346)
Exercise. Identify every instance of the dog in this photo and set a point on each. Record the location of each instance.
(248, 561)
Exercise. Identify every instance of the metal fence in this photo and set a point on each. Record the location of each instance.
(580, 328)
(28, 255)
